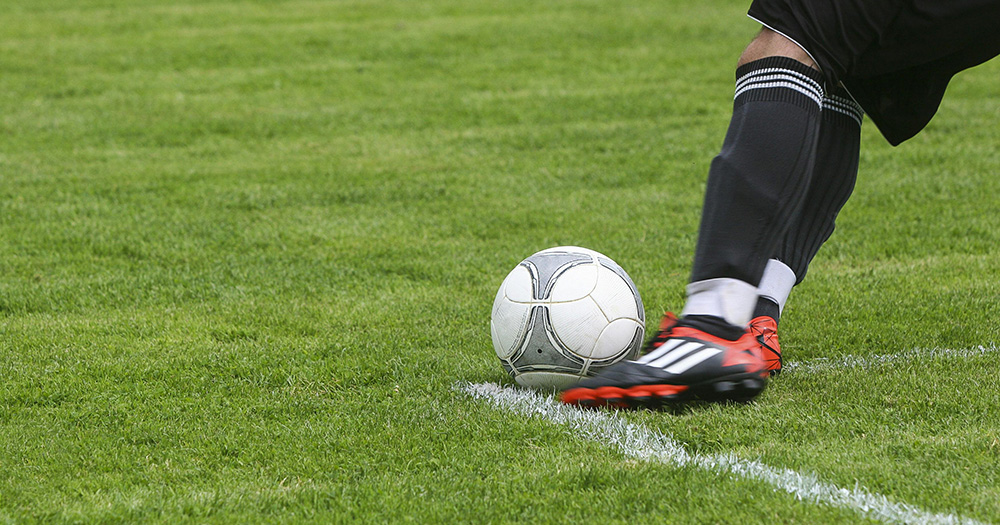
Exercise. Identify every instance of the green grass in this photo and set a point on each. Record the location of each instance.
(248, 248)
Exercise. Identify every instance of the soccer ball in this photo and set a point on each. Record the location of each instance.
(564, 313)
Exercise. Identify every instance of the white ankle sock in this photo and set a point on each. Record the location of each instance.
(777, 282)
(730, 299)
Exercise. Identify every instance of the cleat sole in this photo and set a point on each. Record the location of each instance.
(642, 396)
(722, 387)
(740, 388)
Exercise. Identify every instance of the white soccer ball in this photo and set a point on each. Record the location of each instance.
(564, 313)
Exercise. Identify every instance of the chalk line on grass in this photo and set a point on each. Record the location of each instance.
(822, 364)
(640, 443)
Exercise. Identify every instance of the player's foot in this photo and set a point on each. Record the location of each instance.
(765, 331)
(681, 363)
(667, 324)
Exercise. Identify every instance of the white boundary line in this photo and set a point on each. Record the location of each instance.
(641, 443)
(823, 364)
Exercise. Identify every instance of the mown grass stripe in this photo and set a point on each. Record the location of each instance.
(822, 364)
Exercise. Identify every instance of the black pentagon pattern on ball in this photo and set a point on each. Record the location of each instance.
(528, 356)
(543, 267)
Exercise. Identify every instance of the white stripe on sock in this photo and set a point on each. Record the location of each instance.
(814, 96)
(811, 84)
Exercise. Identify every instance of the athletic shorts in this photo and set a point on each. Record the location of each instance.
(895, 57)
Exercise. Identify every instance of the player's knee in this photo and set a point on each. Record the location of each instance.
(769, 43)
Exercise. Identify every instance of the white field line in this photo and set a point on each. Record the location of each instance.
(640, 443)
(823, 364)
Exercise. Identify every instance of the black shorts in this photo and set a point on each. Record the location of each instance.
(895, 57)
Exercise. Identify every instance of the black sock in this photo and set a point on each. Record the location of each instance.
(767, 307)
(760, 178)
(712, 325)
(834, 174)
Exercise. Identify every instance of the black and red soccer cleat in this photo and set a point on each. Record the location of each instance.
(765, 331)
(680, 363)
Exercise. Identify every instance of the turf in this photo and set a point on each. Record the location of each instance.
(249, 247)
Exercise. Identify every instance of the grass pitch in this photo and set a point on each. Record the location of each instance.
(248, 248)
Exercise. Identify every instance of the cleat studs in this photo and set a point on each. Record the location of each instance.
(723, 387)
(670, 398)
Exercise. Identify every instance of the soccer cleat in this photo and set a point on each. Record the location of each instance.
(681, 363)
(765, 330)
(667, 324)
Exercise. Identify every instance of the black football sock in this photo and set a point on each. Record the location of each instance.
(759, 179)
(834, 174)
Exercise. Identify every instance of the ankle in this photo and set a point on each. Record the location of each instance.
(713, 325)
(728, 299)
(767, 308)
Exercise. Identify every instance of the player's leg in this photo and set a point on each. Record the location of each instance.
(756, 185)
(768, 43)
(868, 45)
(834, 174)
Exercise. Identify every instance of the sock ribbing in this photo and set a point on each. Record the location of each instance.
(833, 178)
(840, 109)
